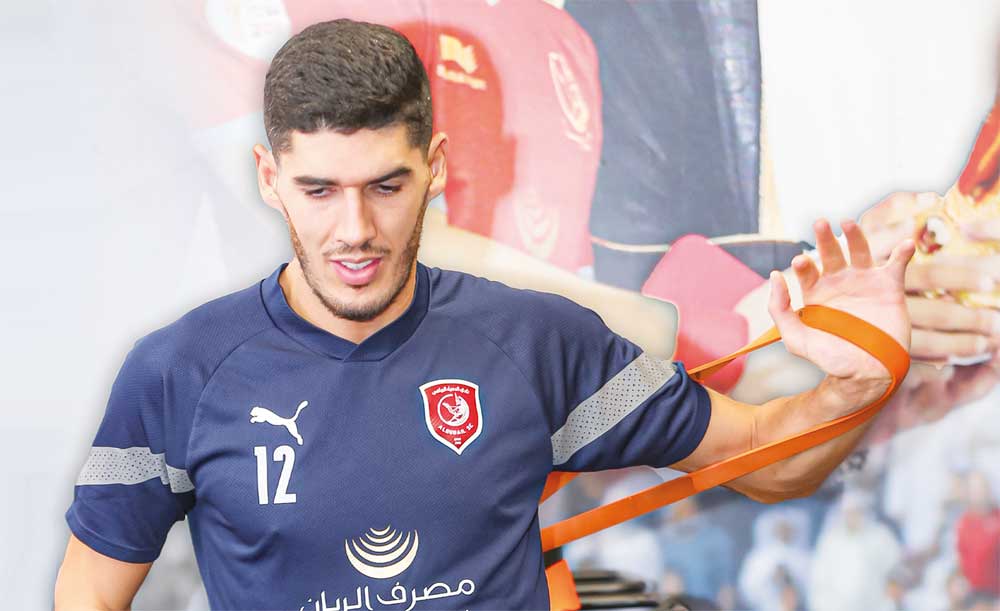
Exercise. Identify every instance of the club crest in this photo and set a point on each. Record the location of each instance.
(453, 412)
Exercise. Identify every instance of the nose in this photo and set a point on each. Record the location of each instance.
(356, 226)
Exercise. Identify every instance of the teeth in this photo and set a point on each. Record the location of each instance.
(357, 266)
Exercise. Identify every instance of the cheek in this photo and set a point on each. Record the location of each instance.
(396, 226)
(313, 230)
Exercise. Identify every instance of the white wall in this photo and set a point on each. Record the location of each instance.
(868, 97)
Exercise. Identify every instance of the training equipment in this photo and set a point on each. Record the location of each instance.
(855, 330)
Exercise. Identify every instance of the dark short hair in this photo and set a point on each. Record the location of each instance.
(346, 75)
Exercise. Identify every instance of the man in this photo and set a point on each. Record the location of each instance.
(360, 430)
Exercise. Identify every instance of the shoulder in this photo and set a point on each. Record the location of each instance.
(158, 388)
(202, 337)
(495, 305)
(535, 329)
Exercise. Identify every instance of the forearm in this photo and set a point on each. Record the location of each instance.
(802, 474)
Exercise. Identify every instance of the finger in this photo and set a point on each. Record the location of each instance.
(830, 253)
(857, 244)
(900, 257)
(805, 270)
(925, 344)
(946, 276)
(780, 307)
(941, 315)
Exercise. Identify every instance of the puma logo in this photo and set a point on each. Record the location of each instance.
(262, 414)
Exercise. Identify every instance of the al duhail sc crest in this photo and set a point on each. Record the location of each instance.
(452, 412)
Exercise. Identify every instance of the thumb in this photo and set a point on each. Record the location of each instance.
(780, 307)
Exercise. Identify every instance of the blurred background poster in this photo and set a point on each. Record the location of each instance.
(653, 159)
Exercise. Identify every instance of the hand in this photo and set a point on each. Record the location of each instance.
(942, 327)
(872, 293)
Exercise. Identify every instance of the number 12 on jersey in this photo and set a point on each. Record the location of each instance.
(284, 455)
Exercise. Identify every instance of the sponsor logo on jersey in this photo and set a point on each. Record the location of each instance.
(381, 554)
(451, 49)
(262, 414)
(571, 100)
(453, 412)
(384, 554)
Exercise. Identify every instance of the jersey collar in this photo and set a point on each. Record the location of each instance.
(374, 348)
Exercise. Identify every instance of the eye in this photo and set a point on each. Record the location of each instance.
(317, 193)
(387, 190)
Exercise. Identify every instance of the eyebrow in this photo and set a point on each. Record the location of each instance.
(315, 181)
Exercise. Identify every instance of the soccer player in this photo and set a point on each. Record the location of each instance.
(358, 430)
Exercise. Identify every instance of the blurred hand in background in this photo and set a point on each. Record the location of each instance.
(943, 329)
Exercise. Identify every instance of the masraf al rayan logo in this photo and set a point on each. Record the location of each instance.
(383, 554)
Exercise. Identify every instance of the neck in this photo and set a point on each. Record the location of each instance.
(305, 303)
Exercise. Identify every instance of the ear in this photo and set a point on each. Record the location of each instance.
(267, 176)
(439, 167)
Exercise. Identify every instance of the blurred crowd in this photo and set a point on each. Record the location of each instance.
(908, 523)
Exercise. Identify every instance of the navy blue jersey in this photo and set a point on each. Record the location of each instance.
(403, 472)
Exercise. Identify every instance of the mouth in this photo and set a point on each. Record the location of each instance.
(357, 272)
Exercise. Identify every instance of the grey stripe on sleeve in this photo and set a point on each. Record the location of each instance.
(107, 465)
(618, 398)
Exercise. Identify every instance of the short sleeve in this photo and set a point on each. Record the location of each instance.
(610, 404)
(132, 487)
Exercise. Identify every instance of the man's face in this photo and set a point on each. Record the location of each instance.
(354, 206)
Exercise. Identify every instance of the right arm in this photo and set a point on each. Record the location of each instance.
(132, 486)
(93, 581)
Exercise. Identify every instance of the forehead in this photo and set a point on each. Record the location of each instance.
(350, 158)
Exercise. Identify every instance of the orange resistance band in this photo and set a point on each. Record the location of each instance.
(869, 338)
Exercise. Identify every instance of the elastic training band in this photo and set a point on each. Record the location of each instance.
(862, 334)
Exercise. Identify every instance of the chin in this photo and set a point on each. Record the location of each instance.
(362, 303)
(363, 312)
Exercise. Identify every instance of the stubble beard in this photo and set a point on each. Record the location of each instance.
(366, 311)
